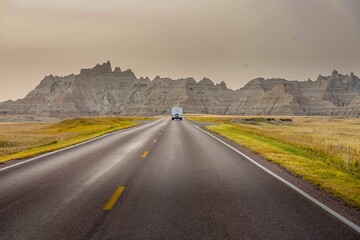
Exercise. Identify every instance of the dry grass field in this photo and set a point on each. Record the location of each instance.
(322, 150)
(25, 139)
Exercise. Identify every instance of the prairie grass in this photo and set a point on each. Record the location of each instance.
(27, 139)
(323, 150)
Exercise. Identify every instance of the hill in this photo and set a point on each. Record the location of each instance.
(102, 91)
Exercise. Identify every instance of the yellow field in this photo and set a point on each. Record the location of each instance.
(26, 139)
(323, 150)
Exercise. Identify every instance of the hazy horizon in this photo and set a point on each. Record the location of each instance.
(231, 41)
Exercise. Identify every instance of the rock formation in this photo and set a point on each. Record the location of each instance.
(103, 91)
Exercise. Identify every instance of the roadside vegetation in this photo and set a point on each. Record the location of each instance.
(323, 150)
(27, 139)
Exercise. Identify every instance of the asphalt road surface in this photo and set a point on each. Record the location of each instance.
(161, 180)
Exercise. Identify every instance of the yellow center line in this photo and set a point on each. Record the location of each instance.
(146, 153)
(155, 140)
(110, 204)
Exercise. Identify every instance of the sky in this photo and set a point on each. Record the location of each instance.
(228, 40)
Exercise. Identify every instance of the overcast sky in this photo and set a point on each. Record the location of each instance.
(232, 41)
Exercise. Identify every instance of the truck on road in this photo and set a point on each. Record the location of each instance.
(176, 113)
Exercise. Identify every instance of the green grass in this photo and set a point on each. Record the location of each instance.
(23, 140)
(324, 151)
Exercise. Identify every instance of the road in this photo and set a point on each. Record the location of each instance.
(161, 180)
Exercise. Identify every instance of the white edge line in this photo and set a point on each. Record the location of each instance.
(323, 206)
(63, 149)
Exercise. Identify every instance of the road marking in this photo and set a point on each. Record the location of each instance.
(155, 140)
(323, 206)
(60, 150)
(67, 148)
(146, 153)
(117, 194)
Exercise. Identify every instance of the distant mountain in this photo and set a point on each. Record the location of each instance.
(103, 91)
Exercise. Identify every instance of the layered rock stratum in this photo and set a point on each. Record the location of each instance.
(102, 91)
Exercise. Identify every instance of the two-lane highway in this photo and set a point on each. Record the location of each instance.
(161, 180)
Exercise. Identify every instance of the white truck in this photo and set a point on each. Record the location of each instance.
(176, 113)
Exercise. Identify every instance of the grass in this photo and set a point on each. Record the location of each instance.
(325, 151)
(27, 139)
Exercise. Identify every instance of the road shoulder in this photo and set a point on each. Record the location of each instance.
(335, 203)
